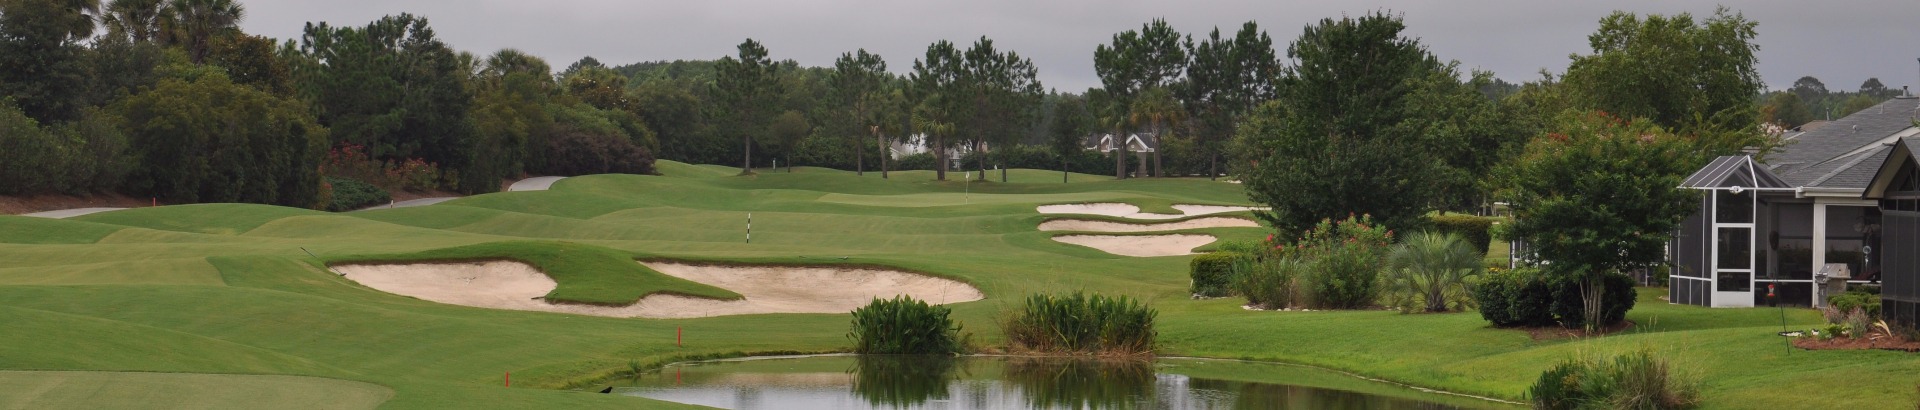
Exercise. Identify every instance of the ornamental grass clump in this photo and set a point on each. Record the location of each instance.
(1082, 324)
(904, 325)
(1636, 380)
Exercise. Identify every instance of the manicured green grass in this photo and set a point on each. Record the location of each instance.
(228, 289)
(55, 389)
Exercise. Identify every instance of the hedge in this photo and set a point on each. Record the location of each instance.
(1212, 274)
(1476, 229)
(1530, 298)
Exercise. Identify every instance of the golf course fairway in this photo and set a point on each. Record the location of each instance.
(213, 303)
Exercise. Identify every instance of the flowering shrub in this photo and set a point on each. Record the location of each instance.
(351, 161)
(1334, 265)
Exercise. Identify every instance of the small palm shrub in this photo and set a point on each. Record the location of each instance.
(1270, 282)
(1081, 323)
(1636, 380)
(1213, 274)
(1429, 272)
(904, 325)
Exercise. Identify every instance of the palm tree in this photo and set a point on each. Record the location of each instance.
(194, 23)
(136, 20)
(1430, 270)
(1156, 108)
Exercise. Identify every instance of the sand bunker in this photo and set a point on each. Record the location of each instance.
(767, 289)
(1133, 212)
(1140, 245)
(1107, 226)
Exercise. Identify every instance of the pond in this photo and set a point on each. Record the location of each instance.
(990, 382)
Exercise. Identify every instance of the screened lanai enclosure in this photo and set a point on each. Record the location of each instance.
(1896, 186)
(1756, 235)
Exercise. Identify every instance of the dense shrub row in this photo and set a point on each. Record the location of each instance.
(1476, 230)
(346, 195)
(1334, 265)
(1212, 274)
(576, 152)
(1530, 297)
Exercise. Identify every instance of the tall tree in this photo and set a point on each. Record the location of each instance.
(858, 81)
(138, 21)
(194, 24)
(40, 58)
(1002, 89)
(746, 86)
(1071, 125)
(1873, 87)
(1809, 89)
(1785, 110)
(1154, 110)
(511, 116)
(393, 87)
(1695, 77)
(1153, 57)
(940, 95)
(1343, 129)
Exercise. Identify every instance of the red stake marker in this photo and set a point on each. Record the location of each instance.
(509, 379)
(676, 336)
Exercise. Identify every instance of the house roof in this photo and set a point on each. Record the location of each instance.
(1843, 153)
(1734, 171)
(1136, 142)
(1899, 154)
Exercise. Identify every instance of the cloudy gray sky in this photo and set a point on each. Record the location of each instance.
(1841, 42)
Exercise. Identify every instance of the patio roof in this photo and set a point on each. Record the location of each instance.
(1735, 171)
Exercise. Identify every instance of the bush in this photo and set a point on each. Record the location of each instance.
(1079, 323)
(916, 162)
(1213, 274)
(1636, 380)
(1856, 300)
(1347, 257)
(574, 152)
(1429, 272)
(1571, 312)
(1520, 297)
(904, 325)
(1476, 230)
(1040, 157)
(349, 195)
(86, 155)
(1270, 281)
(210, 140)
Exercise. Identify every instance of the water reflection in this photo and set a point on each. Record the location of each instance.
(903, 381)
(918, 382)
(1082, 383)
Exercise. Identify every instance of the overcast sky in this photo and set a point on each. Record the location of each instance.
(1841, 42)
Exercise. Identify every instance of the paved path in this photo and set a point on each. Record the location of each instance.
(412, 203)
(534, 184)
(69, 213)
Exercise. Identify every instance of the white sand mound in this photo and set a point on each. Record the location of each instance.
(1140, 245)
(1107, 226)
(1133, 212)
(767, 289)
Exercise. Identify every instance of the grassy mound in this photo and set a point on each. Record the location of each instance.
(585, 273)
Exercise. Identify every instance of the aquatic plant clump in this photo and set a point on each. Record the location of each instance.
(1081, 323)
(904, 325)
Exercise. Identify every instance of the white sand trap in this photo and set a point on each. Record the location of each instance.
(1108, 226)
(1140, 245)
(1133, 212)
(767, 289)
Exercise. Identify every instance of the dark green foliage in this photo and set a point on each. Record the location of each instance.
(904, 325)
(573, 152)
(916, 162)
(393, 87)
(210, 140)
(41, 64)
(1527, 297)
(1358, 121)
(1036, 157)
(1271, 280)
(1866, 302)
(1635, 380)
(746, 88)
(1347, 257)
(1213, 274)
(87, 155)
(1476, 230)
(1675, 71)
(1570, 311)
(1079, 323)
(350, 195)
